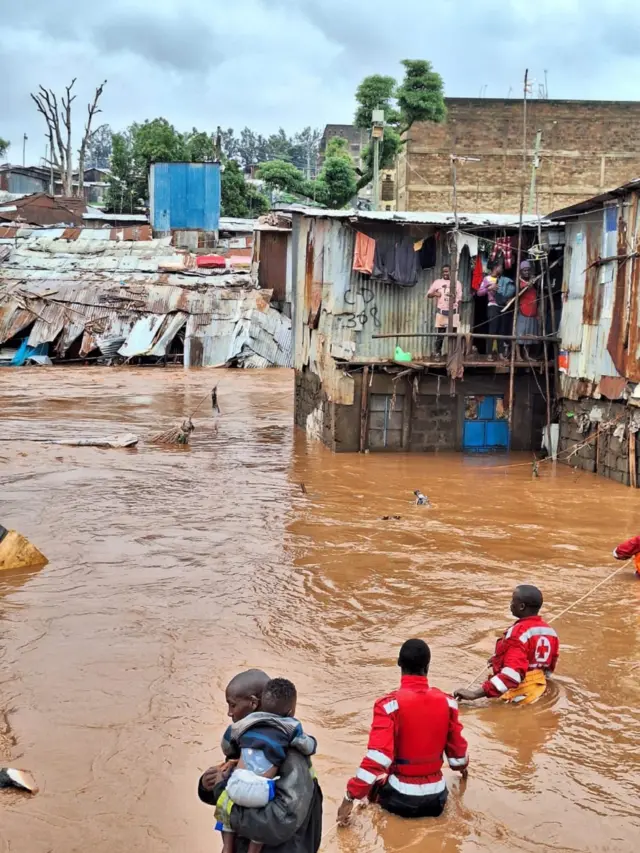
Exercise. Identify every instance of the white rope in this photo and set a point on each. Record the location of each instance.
(562, 612)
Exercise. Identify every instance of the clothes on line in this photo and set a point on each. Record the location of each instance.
(468, 240)
(395, 260)
(478, 273)
(364, 253)
(503, 247)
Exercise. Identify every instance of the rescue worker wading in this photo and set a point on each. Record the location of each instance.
(412, 728)
(524, 655)
(629, 549)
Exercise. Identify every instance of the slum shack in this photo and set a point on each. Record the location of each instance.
(70, 295)
(599, 387)
(368, 370)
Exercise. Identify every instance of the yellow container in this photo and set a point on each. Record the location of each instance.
(16, 552)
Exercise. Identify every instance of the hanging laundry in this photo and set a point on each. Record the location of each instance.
(468, 240)
(418, 245)
(405, 268)
(478, 273)
(364, 253)
(395, 260)
(428, 253)
(503, 247)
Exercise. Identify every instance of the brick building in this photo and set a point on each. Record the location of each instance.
(588, 147)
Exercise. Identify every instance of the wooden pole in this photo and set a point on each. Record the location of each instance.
(453, 260)
(512, 364)
(364, 407)
(543, 313)
(633, 471)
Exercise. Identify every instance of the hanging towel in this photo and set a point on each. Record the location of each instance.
(363, 254)
(478, 273)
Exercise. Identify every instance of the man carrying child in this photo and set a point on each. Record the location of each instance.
(266, 741)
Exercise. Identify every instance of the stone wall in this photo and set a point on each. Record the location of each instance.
(603, 452)
(587, 148)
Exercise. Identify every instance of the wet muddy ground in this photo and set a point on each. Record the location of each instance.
(172, 569)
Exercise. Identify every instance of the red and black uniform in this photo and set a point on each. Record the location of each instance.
(629, 549)
(412, 728)
(529, 644)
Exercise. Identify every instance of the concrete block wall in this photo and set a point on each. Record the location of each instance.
(603, 454)
(587, 147)
(432, 419)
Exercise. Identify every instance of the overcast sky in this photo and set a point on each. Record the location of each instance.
(266, 63)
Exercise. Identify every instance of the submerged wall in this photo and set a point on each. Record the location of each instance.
(604, 445)
(412, 415)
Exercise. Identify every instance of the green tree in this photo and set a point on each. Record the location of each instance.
(99, 147)
(200, 147)
(421, 95)
(126, 189)
(334, 187)
(305, 147)
(279, 146)
(4, 146)
(278, 174)
(376, 92)
(156, 141)
(240, 199)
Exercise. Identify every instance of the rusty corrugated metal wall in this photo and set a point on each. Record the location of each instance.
(599, 326)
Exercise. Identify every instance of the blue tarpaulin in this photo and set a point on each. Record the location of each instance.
(25, 352)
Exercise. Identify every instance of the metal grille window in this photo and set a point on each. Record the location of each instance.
(385, 424)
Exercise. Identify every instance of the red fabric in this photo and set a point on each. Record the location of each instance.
(210, 261)
(412, 727)
(628, 549)
(528, 301)
(363, 253)
(478, 274)
(529, 644)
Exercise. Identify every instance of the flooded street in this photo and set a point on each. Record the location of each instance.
(171, 569)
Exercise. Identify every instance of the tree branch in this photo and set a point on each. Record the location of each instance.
(92, 110)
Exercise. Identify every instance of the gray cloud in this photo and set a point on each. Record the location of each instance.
(267, 63)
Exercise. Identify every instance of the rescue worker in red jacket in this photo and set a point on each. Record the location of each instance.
(524, 655)
(412, 728)
(629, 549)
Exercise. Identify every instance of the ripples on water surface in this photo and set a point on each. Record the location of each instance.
(172, 569)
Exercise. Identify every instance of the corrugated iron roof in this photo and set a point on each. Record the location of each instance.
(410, 217)
(102, 289)
(595, 201)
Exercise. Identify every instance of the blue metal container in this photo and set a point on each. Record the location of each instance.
(185, 196)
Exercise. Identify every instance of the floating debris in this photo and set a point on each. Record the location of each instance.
(11, 778)
(421, 500)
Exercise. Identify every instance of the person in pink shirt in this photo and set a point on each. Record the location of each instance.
(441, 290)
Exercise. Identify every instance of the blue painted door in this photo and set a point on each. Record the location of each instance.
(486, 426)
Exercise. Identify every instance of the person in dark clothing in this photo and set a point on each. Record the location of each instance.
(292, 821)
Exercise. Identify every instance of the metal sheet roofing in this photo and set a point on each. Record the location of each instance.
(103, 290)
(410, 217)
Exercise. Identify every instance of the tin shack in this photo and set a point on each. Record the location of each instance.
(368, 372)
(600, 336)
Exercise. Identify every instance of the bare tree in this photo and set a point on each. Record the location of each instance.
(82, 151)
(58, 119)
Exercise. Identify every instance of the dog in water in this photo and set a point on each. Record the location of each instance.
(421, 500)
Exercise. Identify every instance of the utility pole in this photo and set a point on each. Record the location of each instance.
(377, 135)
(24, 149)
(534, 171)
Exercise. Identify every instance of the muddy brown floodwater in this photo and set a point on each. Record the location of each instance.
(172, 569)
